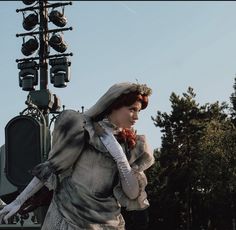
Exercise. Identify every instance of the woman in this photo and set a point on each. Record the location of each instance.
(96, 164)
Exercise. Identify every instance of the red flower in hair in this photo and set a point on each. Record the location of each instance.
(127, 136)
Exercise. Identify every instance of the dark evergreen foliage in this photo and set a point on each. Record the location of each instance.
(193, 182)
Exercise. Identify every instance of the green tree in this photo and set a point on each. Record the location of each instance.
(194, 174)
(217, 175)
(233, 103)
(178, 158)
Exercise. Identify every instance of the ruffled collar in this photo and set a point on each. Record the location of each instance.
(110, 126)
(141, 154)
(124, 136)
(94, 131)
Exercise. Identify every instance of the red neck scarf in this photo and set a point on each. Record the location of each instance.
(127, 136)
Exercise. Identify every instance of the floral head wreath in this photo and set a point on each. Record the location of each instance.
(113, 93)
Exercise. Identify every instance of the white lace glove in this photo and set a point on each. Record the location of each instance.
(2, 202)
(15, 205)
(129, 181)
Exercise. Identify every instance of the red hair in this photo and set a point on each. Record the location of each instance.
(128, 100)
(125, 100)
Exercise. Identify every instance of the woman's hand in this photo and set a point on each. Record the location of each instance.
(9, 210)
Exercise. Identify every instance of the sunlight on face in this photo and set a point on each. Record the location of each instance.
(126, 116)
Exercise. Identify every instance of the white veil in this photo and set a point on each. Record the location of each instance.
(113, 93)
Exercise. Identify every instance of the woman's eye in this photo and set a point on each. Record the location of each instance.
(134, 110)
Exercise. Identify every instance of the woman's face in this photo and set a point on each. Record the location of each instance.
(126, 116)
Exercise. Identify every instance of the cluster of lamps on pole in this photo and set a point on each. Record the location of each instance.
(60, 65)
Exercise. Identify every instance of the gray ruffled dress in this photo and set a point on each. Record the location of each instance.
(85, 178)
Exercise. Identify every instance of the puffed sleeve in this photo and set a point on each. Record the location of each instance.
(67, 144)
(141, 159)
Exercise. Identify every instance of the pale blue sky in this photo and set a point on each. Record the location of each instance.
(169, 45)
